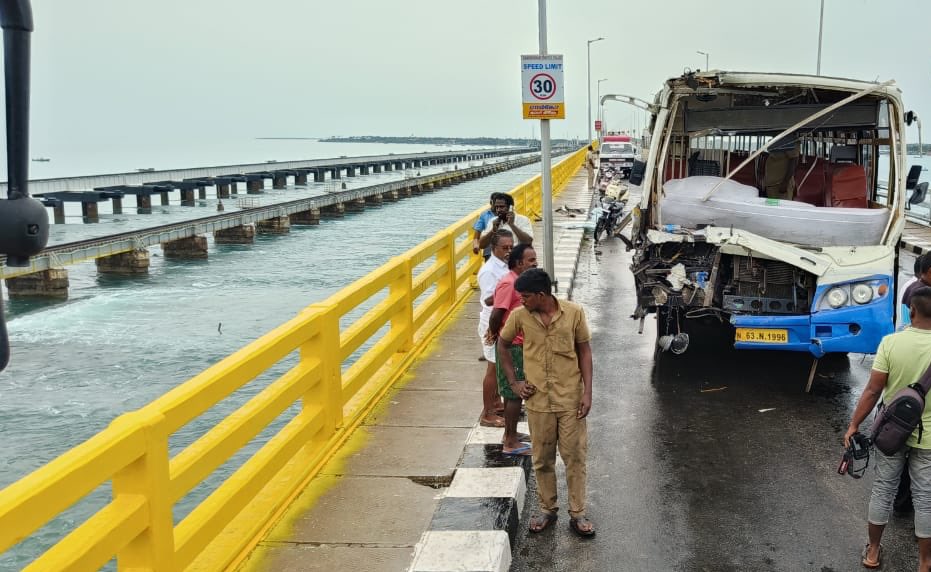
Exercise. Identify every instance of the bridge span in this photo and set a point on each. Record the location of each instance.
(125, 253)
(320, 168)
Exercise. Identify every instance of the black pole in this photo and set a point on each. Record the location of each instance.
(16, 20)
(23, 221)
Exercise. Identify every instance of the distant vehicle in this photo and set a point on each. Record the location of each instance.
(763, 215)
(617, 152)
(146, 169)
(41, 159)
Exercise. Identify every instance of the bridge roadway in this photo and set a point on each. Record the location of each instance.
(712, 461)
(334, 166)
(84, 250)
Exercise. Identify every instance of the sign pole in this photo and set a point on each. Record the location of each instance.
(546, 177)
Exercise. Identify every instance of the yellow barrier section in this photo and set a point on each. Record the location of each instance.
(132, 453)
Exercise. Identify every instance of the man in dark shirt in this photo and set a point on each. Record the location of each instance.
(924, 279)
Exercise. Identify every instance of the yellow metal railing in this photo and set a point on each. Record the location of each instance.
(325, 401)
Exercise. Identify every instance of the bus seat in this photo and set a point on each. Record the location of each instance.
(778, 174)
(809, 182)
(848, 187)
(746, 175)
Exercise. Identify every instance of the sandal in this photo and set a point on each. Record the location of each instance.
(542, 521)
(868, 563)
(495, 422)
(574, 525)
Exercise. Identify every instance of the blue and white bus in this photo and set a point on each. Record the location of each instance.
(764, 210)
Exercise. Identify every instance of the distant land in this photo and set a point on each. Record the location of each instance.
(912, 148)
(510, 142)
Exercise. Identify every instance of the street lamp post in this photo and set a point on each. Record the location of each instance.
(600, 109)
(589, 47)
(820, 33)
(706, 57)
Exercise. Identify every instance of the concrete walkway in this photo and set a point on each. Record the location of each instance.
(916, 238)
(421, 486)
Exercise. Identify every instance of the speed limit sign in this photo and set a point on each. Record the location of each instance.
(542, 77)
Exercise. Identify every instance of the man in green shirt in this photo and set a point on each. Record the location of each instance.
(901, 359)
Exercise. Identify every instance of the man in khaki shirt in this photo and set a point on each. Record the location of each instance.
(557, 390)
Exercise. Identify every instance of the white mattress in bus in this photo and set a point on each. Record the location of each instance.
(740, 206)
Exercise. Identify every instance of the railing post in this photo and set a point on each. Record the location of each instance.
(325, 346)
(447, 257)
(148, 476)
(402, 323)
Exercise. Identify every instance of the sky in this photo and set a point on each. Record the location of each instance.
(109, 72)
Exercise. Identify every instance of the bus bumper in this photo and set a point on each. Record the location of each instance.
(850, 329)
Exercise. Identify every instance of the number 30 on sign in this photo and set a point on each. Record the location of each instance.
(542, 78)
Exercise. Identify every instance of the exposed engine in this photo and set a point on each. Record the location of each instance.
(759, 286)
(695, 275)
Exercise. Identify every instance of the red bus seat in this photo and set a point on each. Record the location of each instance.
(848, 187)
(809, 182)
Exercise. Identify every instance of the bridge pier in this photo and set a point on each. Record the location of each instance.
(405, 193)
(319, 175)
(58, 211)
(389, 167)
(311, 216)
(117, 205)
(254, 187)
(202, 193)
(187, 197)
(188, 248)
(143, 204)
(390, 196)
(300, 178)
(164, 198)
(274, 225)
(335, 173)
(373, 200)
(89, 212)
(417, 189)
(350, 171)
(234, 188)
(364, 170)
(376, 168)
(279, 182)
(125, 263)
(52, 283)
(338, 210)
(223, 190)
(244, 234)
(355, 205)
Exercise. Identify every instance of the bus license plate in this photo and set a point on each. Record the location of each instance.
(761, 335)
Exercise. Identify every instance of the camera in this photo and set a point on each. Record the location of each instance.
(860, 446)
(858, 450)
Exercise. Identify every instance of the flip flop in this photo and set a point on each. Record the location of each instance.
(520, 451)
(542, 521)
(879, 557)
(498, 422)
(574, 526)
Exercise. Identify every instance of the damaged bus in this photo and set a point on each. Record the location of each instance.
(764, 213)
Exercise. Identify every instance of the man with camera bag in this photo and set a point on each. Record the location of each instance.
(901, 360)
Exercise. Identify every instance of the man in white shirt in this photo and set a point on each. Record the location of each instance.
(496, 267)
(506, 219)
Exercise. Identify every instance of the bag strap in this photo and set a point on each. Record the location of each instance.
(924, 382)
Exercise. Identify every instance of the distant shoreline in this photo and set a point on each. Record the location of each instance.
(494, 141)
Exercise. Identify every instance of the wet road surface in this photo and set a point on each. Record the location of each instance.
(714, 462)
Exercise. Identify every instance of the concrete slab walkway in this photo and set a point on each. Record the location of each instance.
(916, 238)
(375, 506)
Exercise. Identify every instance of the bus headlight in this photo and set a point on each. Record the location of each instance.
(837, 297)
(862, 293)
